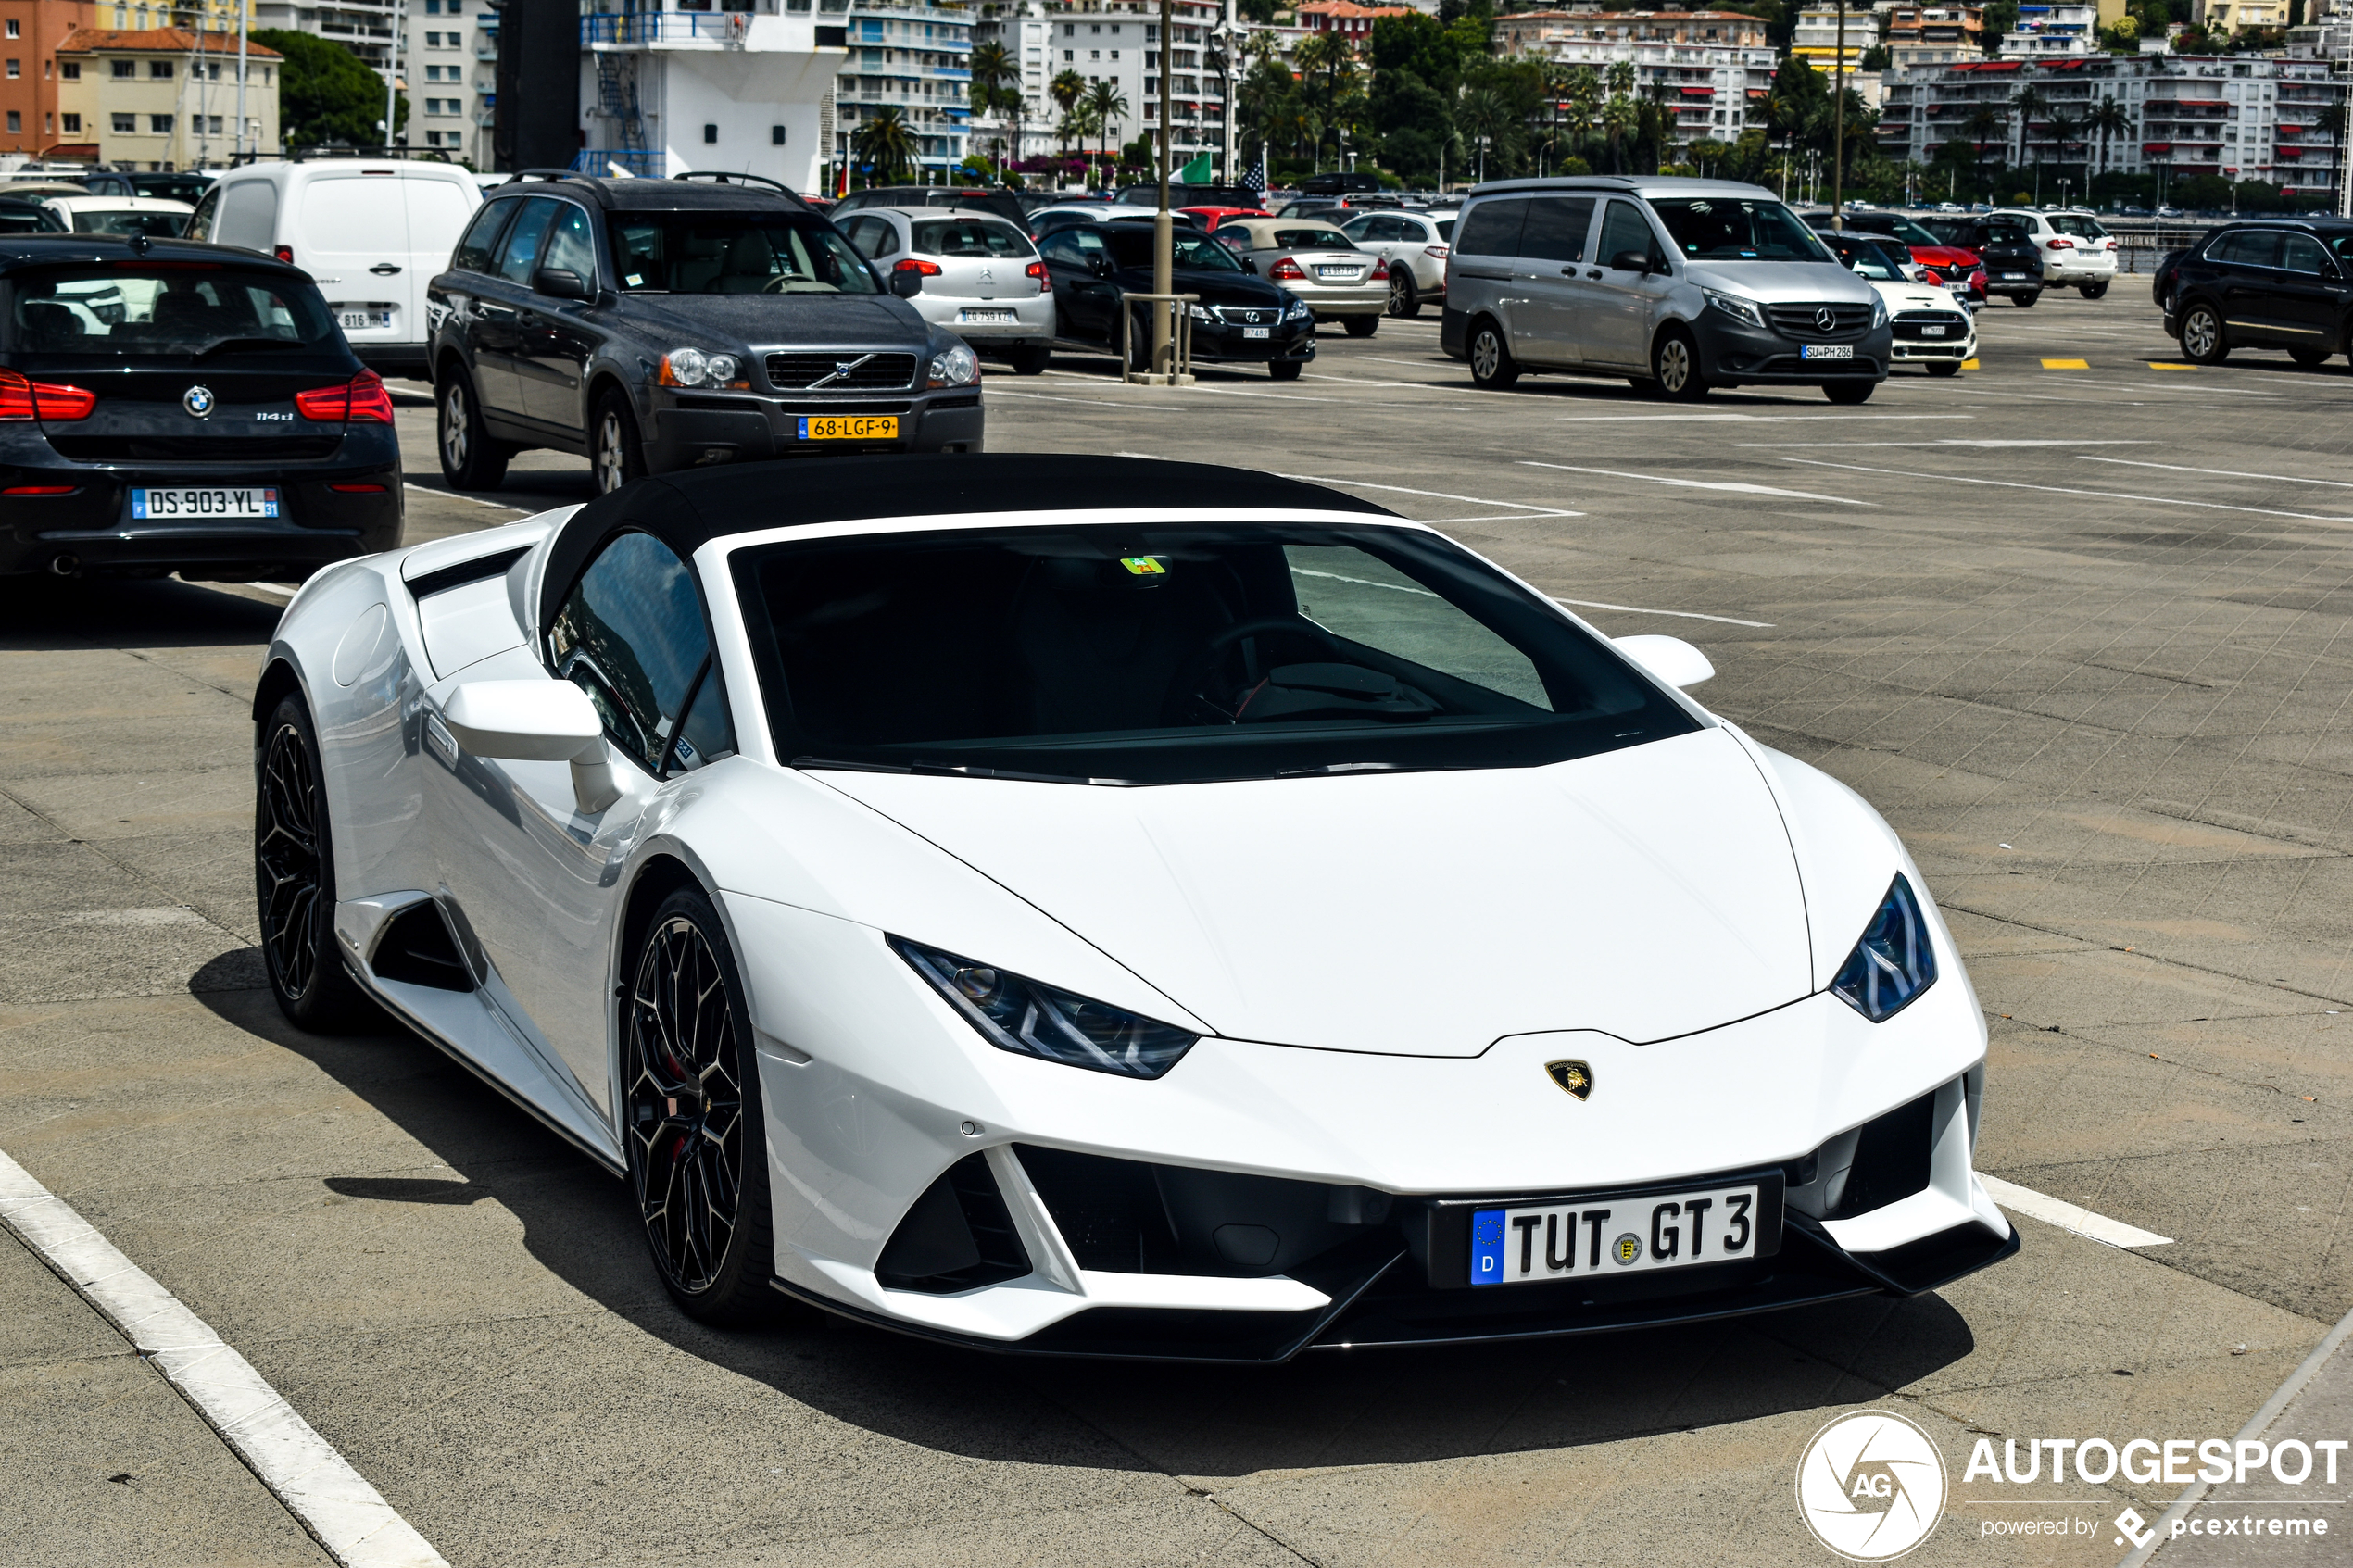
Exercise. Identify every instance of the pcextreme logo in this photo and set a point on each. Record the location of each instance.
(1870, 1485)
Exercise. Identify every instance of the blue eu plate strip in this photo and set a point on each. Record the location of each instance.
(804, 428)
(1487, 1247)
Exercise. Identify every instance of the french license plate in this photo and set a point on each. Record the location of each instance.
(2016, 277)
(1258, 332)
(1827, 351)
(1619, 1236)
(978, 316)
(1348, 274)
(204, 503)
(849, 427)
(1931, 332)
(360, 321)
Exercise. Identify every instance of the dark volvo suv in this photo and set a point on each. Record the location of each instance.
(172, 407)
(652, 325)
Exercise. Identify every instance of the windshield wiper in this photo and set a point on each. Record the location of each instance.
(220, 344)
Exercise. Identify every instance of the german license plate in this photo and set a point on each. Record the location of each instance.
(982, 318)
(1619, 1236)
(1258, 332)
(1346, 272)
(206, 502)
(1827, 351)
(1931, 332)
(849, 427)
(362, 320)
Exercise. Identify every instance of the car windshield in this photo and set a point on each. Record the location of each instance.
(1312, 239)
(1167, 652)
(1131, 245)
(1902, 229)
(1733, 229)
(183, 309)
(734, 252)
(1865, 259)
(124, 221)
(968, 236)
(2077, 225)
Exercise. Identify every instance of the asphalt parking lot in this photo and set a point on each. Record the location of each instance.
(2075, 621)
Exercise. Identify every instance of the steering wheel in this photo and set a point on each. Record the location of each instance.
(1184, 687)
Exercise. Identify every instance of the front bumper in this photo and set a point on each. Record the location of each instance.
(1735, 354)
(1909, 344)
(1217, 342)
(685, 430)
(1262, 1201)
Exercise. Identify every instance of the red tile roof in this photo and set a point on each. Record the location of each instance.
(158, 40)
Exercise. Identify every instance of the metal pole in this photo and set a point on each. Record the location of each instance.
(244, 9)
(1163, 238)
(1838, 124)
(392, 74)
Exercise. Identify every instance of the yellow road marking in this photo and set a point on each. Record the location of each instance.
(2066, 365)
(1969, 364)
(2162, 365)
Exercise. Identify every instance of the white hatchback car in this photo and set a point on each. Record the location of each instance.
(1416, 245)
(982, 278)
(120, 215)
(2077, 252)
(1927, 324)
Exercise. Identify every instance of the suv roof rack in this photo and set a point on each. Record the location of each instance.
(545, 174)
(303, 154)
(729, 176)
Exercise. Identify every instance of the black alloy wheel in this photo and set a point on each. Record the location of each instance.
(1492, 365)
(470, 459)
(692, 1108)
(2308, 357)
(1404, 300)
(1675, 367)
(616, 456)
(294, 877)
(2202, 339)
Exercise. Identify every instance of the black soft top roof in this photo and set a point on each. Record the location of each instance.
(688, 511)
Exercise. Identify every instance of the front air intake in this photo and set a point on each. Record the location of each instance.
(958, 1236)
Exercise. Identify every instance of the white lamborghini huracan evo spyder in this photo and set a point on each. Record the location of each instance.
(1218, 926)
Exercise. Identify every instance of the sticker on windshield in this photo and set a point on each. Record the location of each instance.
(1145, 566)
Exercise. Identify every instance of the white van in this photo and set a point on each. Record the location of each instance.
(372, 231)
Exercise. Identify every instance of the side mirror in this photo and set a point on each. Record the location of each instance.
(537, 721)
(1100, 266)
(906, 284)
(560, 283)
(1670, 660)
(1632, 261)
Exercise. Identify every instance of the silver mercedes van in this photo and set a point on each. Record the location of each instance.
(1677, 285)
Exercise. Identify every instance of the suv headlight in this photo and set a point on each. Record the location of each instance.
(955, 366)
(1746, 311)
(1892, 963)
(1879, 310)
(1030, 1018)
(693, 366)
(1199, 312)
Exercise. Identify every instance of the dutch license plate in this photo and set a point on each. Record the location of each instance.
(849, 427)
(1258, 332)
(1827, 351)
(1931, 332)
(360, 321)
(207, 502)
(1619, 1236)
(978, 316)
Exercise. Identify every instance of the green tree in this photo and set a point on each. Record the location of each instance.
(887, 140)
(2001, 15)
(996, 89)
(1065, 89)
(326, 96)
(2028, 103)
(1107, 106)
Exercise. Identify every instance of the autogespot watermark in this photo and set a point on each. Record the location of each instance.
(1870, 1485)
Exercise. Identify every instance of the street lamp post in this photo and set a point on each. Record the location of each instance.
(1164, 235)
(1838, 123)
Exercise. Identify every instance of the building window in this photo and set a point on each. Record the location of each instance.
(215, 126)
(12, 26)
(160, 124)
(775, 135)
(16, 69)
(158, 70)
(16, 122)
(126, 125)
(72, 124)
(709, 134)
(124, 69)
(70, 71)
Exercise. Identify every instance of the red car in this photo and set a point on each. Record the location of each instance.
(1951, 264)
(1210, 217)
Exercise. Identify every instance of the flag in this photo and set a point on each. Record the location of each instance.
(1195, 172)
(1257, 179)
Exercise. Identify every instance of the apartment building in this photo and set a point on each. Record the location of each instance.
(1346, 17)
(364, 27)
(2053, 33)
(1716, 67)
(1919, 36)
(30, 33)
(161, 98)
(914, 56)
(2227, 16)
(2239, 117)
(1114, 40)
(1815, 39)
(664, 92)
(449, 65)
(2326, 33)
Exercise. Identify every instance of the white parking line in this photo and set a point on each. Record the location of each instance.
(2218, 473)
(347, 1516)
(1679, 614)
(2068, 1216)
(1744, 418)
(1736, 488)
(1947, 441)
(2065, 490)
(1090, 402)
(455, 496)
(1435, 494)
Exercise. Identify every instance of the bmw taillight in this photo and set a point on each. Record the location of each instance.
(24, 399)
(1045, 279)
(1287, 271)
(362, 400)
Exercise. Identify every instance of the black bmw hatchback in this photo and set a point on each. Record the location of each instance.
(1237, 316)
(173, 407)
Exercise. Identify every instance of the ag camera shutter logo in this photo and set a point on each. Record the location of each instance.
(1870, 1485)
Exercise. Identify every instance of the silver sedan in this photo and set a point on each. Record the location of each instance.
(1317, 263)
(1416, 245)
(981, 276)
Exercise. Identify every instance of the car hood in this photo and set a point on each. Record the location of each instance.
(1913, 297)
(1215, 288)
(776, 321)
(1648, 893)
(1943, 256)
(1782, 282)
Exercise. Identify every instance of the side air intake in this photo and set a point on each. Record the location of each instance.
(416, 949)
(957, 1236)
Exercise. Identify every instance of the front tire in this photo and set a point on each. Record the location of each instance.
(1029, 359)
(1362, 326)
(2308, 357)
(470, 459)
(1943, 367)
(2093, 291)
(698, 1157)
(1849, 392)
(1404, 300)
(1285, 369)
(617, 455)
(2202, 339)
(1675, 367)
(2024, 300)
(294, 877)
(1493, 367)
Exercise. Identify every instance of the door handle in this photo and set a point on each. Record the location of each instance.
(384, 269)
(1594, 272)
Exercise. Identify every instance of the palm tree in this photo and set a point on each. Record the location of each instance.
(2029, 102)
(992, 69)
(1987, 122)
(1584, 103)
(887, 140)
(1620, 117)
(2066, 128)
(1487, 123)
(2109, 118)
(1333, 58)
(1067, 89)
(1108, 106)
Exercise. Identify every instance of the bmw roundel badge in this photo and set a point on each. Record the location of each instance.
(1575, 1077)
(197, 400)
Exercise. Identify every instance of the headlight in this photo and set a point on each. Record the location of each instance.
(955, 366)
(1199, 312)
(692, 367)
(1892, 963)
(1879, 310)
(1029, 1019)
(1739, 309)
(1298, 312)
